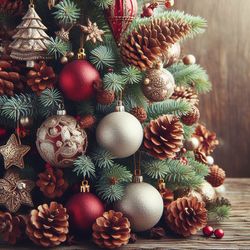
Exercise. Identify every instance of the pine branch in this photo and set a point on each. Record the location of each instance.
(191, 75)
(172, 107)
(188, 131)
(219, 213)
(104, 4)
(102, 158)
(155, 169)
(57, 47)
(85, 108)
(84, 167)
(199, 168)
(113, 82)
(105, 109)
(131, 75)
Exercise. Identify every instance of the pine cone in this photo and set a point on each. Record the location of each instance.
(200, 157)
(157, 233)
(87, 121)
(186, 94)
(51, 183)
(112, 230)
(11, 78)
(48, 225)
(41, 77)
(163, 137)
(192, 117)
(216, 176)
(140, 113)
(143, 47)
(167, 196)
(208, 140)
(12, 7)
(186, 215)
(105, 97)
(11, 227)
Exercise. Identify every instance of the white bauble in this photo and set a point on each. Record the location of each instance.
(120, 133)
(142, 204)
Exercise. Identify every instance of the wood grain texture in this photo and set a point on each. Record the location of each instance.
(237, 233)
(224, 50)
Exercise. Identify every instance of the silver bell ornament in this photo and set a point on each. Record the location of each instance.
(142, 204)
(120, 133)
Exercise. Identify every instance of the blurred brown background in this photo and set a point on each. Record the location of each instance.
(224, 50)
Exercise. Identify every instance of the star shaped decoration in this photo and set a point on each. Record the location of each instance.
(13, 152)
(92, 31)
(15, 192)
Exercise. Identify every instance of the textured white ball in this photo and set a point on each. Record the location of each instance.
(120, 133)
(210, 160)
(142, 204)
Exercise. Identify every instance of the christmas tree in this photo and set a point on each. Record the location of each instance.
(110, 121)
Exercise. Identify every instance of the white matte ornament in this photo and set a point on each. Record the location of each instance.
(210, 160)
(142, 204)
(120, 133)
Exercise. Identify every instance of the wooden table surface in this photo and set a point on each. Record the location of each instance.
(237, 228)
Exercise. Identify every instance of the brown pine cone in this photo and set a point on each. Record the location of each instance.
(192, 117)
(216, 176)
(157, 233)
(51, 183)
(200, 157)
(112, 230)
(12, 7)
(186, 94)
(41, 77)
(163, 137)
(146, 43)
(11, 227)
(11, 78)
(48, 225)
(208, 140)
(140, 113)
(87, 121)
(167, 196)
(105, 97)
(186, 215)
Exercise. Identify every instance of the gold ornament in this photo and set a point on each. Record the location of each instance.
(26, 121)
(13, 152)
(14, 191)
(30, 42)
(92, 31)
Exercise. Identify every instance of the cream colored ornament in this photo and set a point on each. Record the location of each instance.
(120, 133)
(60, 140)
(206, 191)
(171, 55)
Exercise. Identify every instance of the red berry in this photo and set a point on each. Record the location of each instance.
(147, 12)
(219, 233)
(110, 70)
(169, 4)
(208, 231)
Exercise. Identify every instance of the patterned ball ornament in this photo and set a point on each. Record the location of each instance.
(120, 133)
(60, 140)
(171, 55)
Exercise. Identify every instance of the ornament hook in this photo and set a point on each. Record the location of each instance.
(85, 188)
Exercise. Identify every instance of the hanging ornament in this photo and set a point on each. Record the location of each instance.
(171, 55)
(191, 143)
(148, 9)
(206, 191)
(169, 4)
(189, 60)
(120, 133)
(158, 84)
(15, 192)
(77, 79)
(119, 15)
(60, 140)
(3, 132)
(30, 42)
(13, 152)
(83, 209)
(142, 204)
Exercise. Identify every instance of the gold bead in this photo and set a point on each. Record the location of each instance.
(146, 81)
(26, 121)
(70, 54)
(64, 60)
(189, 59)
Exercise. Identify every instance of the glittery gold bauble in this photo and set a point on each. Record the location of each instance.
(171, 55)
(191, 144)
(158, 85)
(206, 191)
(60, 140)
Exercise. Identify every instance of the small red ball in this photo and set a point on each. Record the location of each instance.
(219, 233)
(208, 231)
(3, 132)
(77, 79)
(169, 4)
(147, 12)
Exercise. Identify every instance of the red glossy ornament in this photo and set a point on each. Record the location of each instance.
(119, 15)
(208, 231)
(77, 79)
(169, 4)
(147, 12)
(219, 233)
(83, 209)
(3, 132)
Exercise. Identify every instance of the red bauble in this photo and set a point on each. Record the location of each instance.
(208, 231)
(219, 233)
(83, 209)
(3, 132)
(119, 15)
(147, 12)
(77, 79)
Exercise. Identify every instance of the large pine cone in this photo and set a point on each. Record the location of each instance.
(52, 183)
(216, 176)
(41, 77)
(11, 78)
(105, 97)
(207, 139)
(11, 227)
(147, 43)
(185, 216)
(163, 137)
(112, 230)
(12, 7)
(48, 225)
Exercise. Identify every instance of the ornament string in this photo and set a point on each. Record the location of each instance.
(137, 165)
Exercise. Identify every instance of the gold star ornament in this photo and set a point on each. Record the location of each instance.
(13, 152)
(92, 31)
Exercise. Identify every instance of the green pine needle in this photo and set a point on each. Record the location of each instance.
(84, 167)
(199, 168)
(105, 109)
(188, 131)
(104, 4)
(67, 12)
(191, 75)
(57, 47)
(113, 82)
(102, 57)
(132, 75)
(219, 213)
(85, 108)
(155, 169)
(102, 158)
